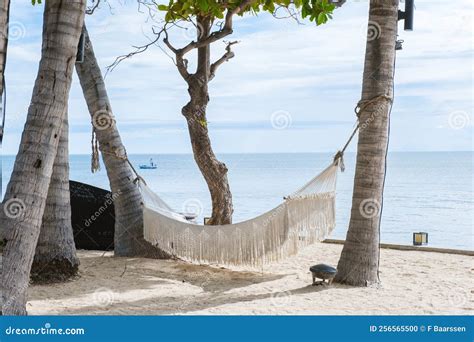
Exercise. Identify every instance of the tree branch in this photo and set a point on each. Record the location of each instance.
(138, 50)
(95, 5)
(181, 62)
(90, 10)
(225, 58)
(226, 29)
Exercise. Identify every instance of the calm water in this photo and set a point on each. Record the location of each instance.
(430, 192)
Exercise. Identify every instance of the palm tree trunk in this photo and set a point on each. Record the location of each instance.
(55, 259)
(4, 18)
(129, 240)
(359, 262)
(26, 193)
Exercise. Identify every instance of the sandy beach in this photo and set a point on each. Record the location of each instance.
(413, 282)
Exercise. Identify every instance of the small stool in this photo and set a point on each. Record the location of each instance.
(324, 272)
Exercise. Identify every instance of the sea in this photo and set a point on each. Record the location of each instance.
(424, 191)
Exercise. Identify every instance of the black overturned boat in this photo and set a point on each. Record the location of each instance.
(93, 217)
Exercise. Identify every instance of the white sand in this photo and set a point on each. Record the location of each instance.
(413, 282)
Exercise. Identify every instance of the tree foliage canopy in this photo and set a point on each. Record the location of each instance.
(319, 11)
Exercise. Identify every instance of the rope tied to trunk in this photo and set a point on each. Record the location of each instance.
(359, 108)
(123, 156)
(101, 120)
(363, 104)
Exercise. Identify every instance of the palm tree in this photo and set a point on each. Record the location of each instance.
(55, 259)
(129, 239)
(26, 193)
(359, 260)
(4, 16)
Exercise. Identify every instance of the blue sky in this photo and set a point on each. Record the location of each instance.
(290, 87)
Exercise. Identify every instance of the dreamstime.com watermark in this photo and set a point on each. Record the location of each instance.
(14, 208)
(370, 208)
(46, 330)
(104, 297)
(459, 120)
(193, 206)
(103, 119)
(110, 200)
(15, 31)
(281, 120)
(374, 31)
(281, 299)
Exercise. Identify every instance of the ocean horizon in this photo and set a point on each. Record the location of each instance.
(424, 191)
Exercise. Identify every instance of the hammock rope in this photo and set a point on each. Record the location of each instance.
(358, 109)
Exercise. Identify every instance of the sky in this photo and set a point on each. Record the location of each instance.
(290, 87)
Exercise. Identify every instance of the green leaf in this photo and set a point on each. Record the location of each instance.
(304, 12)
(321, 18)
(203, 122)
(319, 11)
(203, 5)
(169, 16)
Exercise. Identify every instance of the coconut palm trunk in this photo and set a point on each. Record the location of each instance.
(129, 240)
(26, 193)
(359, 260)
(4, 18)
(55, 259)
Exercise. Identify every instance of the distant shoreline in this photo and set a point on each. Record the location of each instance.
(256, 153)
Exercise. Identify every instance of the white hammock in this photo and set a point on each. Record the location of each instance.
(305, 217)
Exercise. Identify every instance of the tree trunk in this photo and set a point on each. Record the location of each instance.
(129, 240)
(214, 171)
(55, 259)
(26, 194)
(359, 260)
(4, 18)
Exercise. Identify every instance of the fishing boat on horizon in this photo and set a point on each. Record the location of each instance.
(150, 166)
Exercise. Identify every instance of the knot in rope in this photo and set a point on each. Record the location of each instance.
(339, 160)
(363, 104)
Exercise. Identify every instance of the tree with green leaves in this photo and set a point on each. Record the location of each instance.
(213, 20)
